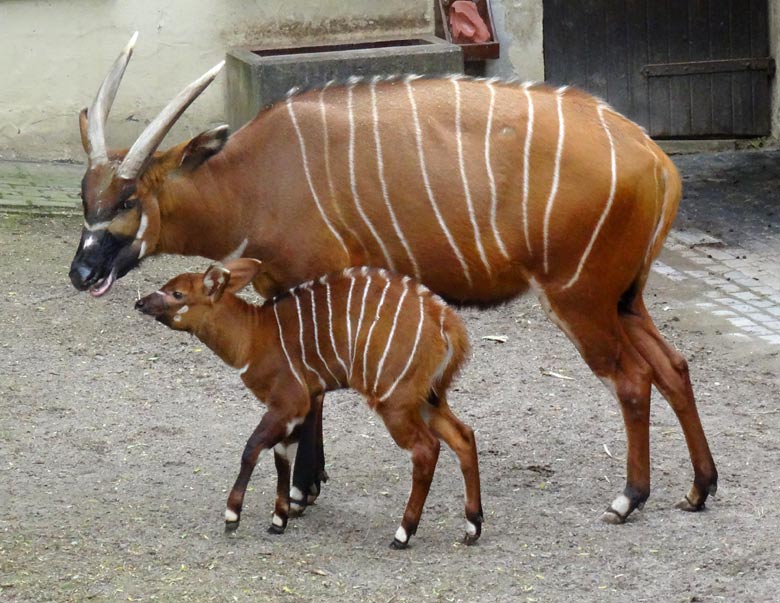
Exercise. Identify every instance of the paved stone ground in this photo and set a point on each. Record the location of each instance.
(725, 245)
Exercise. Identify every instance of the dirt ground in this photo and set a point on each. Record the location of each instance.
(119, 440)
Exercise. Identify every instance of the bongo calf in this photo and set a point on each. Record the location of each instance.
(386, 337)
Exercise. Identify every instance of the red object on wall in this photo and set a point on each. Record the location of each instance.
(466, 25)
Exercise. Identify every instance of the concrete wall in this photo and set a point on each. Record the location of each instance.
(518, 25)
(53, 56)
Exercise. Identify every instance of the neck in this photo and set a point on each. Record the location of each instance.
(231, 329)
(200, 214)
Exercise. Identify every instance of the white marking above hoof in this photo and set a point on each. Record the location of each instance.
(471, 529)
(621, 505)
(295, 493)
(230, 516)
(401, 536)
(277, 521)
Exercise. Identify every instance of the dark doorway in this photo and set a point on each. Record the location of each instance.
(680, 68)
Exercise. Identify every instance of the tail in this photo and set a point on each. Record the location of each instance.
(456, 338)
(669, 194)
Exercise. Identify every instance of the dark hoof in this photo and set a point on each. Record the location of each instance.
(274, 529)
(323, 476)
(231, 526)
(398, 545)
(713, 489)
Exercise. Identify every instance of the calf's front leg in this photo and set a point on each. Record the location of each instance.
(269, 432)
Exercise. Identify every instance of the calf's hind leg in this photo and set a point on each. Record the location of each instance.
(410, 432)
(460, 438)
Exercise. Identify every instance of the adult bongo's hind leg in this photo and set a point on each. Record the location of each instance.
(284, 453)
(671, 377)
(610, 354)
(460, 438)
(309, 471)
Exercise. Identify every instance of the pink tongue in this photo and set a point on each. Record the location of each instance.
(103, 288)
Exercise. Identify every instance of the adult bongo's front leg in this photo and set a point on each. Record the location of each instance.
(309, 471)
(284, 453)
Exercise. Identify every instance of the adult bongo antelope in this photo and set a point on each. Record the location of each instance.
(480, 189)
(384, 336)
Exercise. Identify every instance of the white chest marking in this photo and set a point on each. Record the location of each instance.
(243, 369)
(89, 241)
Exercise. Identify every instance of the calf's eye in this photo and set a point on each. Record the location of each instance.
(178, 294)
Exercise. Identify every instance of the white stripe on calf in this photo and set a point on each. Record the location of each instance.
(556, 175)
(526, 165)
(389, 338)
(383, 182)
(359, 325)
(353, 179)
(330, 331)
(607, 207)
(411, 355)
(426, 181)
(349, 318)
(489, 169)
(466, 188)
(286, 354)
(301, 342)
(371, 332)
(314, 195)
(317, 337)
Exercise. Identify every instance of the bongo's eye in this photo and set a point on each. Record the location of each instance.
(178, 294)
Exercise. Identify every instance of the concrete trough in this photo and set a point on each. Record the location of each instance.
(259, 77)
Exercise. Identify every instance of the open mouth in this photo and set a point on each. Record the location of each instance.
(103, 286)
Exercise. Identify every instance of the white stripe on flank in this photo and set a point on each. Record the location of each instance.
(359, 325)
(383, 182)
(349, 314)
(314, 195)
(489, 168)
(302, 344)
(328, 170)
(330, 330)
(389, 392)
(353, 179)
(556, 176)
(287, 355)
(466, 189)
(527, 164)
(607, 207)
(371, 331)
(428, 190)
(317, 337)
(660, 201)
(389, 338)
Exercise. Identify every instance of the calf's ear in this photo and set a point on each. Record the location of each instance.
(242, 272)
(215, 282)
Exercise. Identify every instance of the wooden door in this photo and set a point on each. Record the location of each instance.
(680, 68)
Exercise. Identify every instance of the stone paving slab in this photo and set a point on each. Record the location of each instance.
(40, 187)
